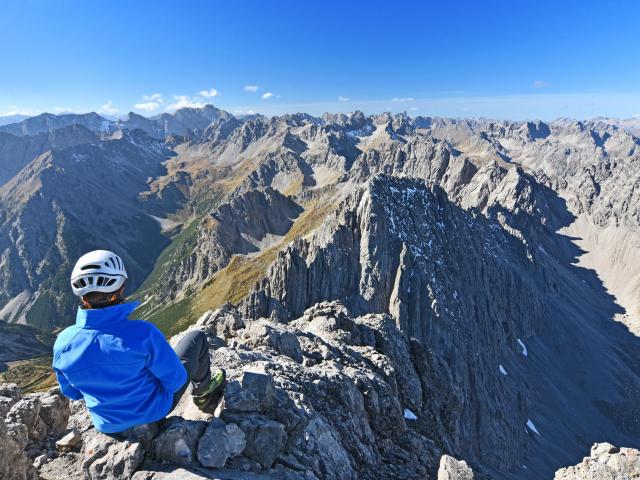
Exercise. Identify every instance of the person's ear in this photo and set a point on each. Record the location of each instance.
(84, 303)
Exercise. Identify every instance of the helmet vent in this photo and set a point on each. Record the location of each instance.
(90, 267)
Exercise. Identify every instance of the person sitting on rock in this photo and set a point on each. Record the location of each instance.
(125, 370)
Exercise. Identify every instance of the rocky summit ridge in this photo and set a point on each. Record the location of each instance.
(328, 395)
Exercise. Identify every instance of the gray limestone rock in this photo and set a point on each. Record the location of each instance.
(105, 458)
(14, 464)
(272, 335)
(265, 439)
(452, 469)
(403, 264)
(26, 412)
(605, 462)
(178, 441)
(54, 411)
(253, 391)
(220, 442)
(223, 322)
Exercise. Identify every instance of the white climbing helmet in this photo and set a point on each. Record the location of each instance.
(98, 271)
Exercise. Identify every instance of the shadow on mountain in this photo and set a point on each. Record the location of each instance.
(584, 372)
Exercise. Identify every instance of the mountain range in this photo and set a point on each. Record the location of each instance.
(506, 251)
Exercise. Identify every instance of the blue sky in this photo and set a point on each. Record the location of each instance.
(504, 59)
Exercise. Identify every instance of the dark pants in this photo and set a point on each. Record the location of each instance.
(193, 352)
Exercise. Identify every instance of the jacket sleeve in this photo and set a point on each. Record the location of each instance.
(66, 388)
(163, 362)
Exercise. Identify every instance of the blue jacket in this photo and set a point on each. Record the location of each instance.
(125, 370)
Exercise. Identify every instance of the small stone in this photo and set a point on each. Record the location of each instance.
(70, 441)
(39, 461)
(220, 442)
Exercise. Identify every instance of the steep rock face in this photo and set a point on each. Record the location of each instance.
(473, 290)
(422, 265)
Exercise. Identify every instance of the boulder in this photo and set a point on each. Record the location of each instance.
(54, 411)
(265, 439)
(223, 322)
(178, 441)
(220, 442)
(272, 335)
(452, 469)
(108, 459)
(252, 392)
(323, 451)
(26, 412)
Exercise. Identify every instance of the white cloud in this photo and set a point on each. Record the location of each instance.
(147, 106)
(153, 98)
(402, 99)
(413, 109)
(245, 112)
(269, 95)
(636, 115)
(64, 110)
(150, 103)
(251, 88)
(210, 93)
(13, 110)
(343, 99)
(540, 84)
(184, 101)
(108, 108)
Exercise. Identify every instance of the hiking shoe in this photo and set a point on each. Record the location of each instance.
(208, 400)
